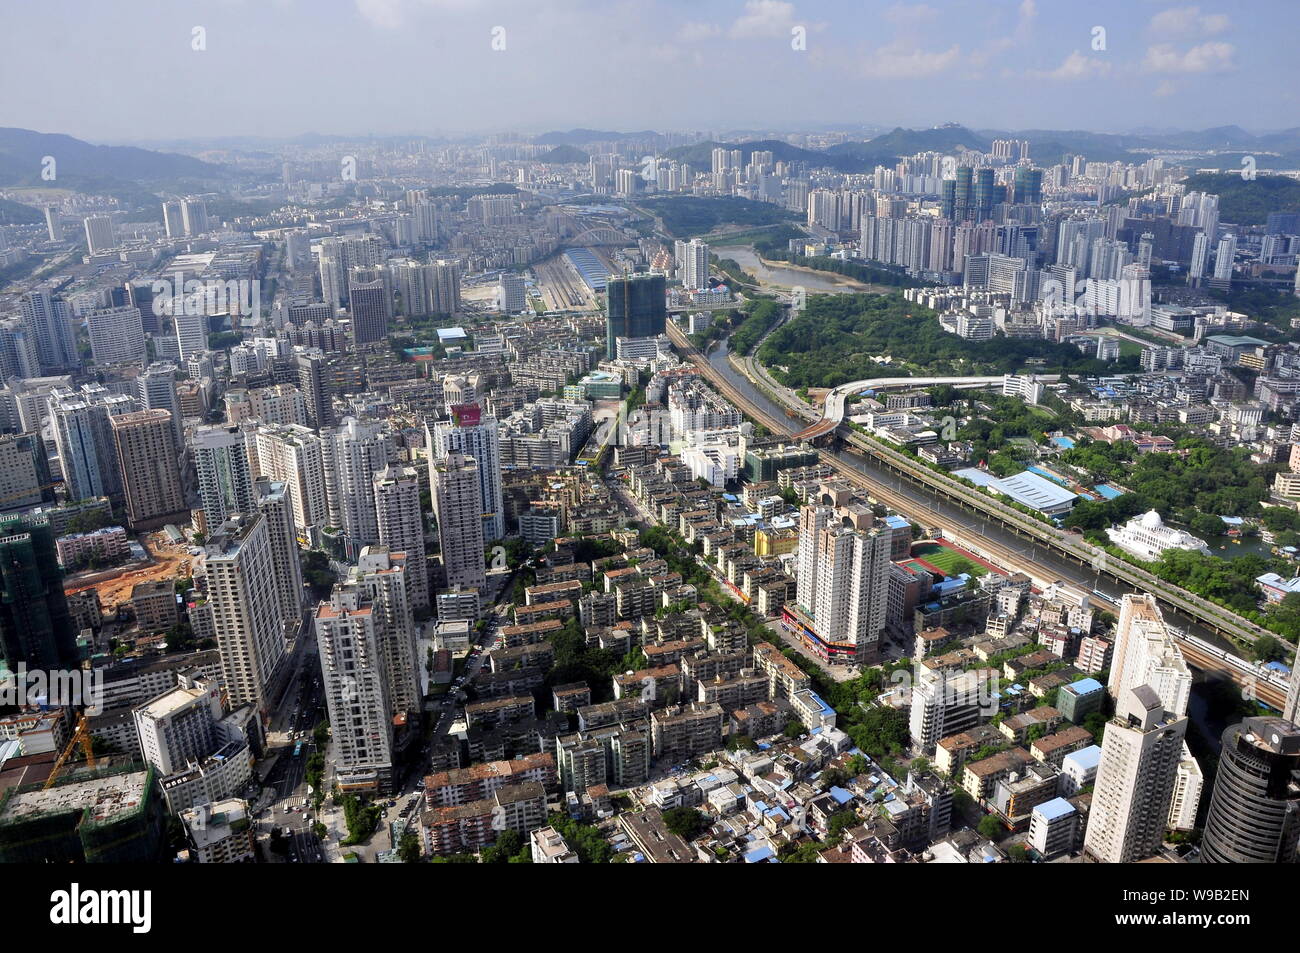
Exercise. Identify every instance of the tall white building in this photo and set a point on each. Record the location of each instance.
(356, 691)
(458, 506)
(1224, 256)
(156, 389)
(843, 580)
(83, 437)
(51, 321)
(1140, 753)
(1146, 654)
(352, 455)
(178, 726)
(291, 454)
(116, 335)
(695, 264)
(512, 294)
(272, 500)
(401, 527)
(191, 330)
(100, 235)
(238, 570)
(475, 434)
(383, 577)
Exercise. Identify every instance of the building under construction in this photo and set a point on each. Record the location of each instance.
(112, 815)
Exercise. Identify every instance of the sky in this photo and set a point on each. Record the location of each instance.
(157, 70)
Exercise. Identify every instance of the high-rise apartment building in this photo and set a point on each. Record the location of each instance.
(401, 527)
(369, 302)
(225, 478)
(1145, 653)
(156, 389)
(383, 577)
(292, 454)
(843, 582)
(271, 498)
(458, 506)
(238, 569)
(51, 320)
(116, 335)
(356, 691)
(151, 479)
(474, 434)
(695, 264)
(100, 236)
(83, 437)
(1140, 753)
(352, 455)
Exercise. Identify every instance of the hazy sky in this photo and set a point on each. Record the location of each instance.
(127, 69)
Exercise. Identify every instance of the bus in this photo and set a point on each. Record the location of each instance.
(297, 749)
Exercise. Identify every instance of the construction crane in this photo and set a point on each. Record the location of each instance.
(80, 736)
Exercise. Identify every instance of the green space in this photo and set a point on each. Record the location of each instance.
(687, 216)
(1247, 201)
(836, 337)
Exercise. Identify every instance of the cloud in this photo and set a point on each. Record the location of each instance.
(1213, 57)
(696, 31)
(1075, 66)
(908, 15)
(1166, 88)
(897, 61)
(1188, 22)
(393, 14)
(764, 18)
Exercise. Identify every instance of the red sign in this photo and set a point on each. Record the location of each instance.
(466, 415)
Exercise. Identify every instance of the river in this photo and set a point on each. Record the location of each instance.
(781, 276)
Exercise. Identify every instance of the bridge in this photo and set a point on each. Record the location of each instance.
(838, 398)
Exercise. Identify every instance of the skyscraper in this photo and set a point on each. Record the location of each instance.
(116, 335)
(224, 477)
(84, 439)
(1146, 654)
(401, 527)
(173, 220)
(237, 566)
(271, 498)
(1255, 810)
(843, 580)
(458, 506)
(194, 214)
(695, 264)
(291, 454)
(35, 625)
(637, 308)
(51, 320)
(151, 480)
(383, 576)
(352, 455)
(474, 434)
(356, 691)
(1140, 753)
(156, 388)
(369, 303)
(99, 233)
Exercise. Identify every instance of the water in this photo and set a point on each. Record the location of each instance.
(779, 275)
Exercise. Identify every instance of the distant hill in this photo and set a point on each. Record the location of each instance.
(22, 151)
(700, 155)
(563, 154)
(1243, 202)
(16, 213)
(905, 142)
(578, 137)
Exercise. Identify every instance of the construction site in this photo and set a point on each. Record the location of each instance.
(167, 561)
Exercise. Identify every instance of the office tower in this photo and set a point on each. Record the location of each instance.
(1028, 187)
(83, 437)
(695, 264)
(99, 233)
(843, 581)
(352, 455)
(383, 577)
(985, 195)
(444, 286)
(173, 219)
(271, 498)
(315, 389)
(292, 454)
(116, 335)
(1255, 810)
(19, 358)
(474, 434)
(224, 476)
(238, 570)
(512, 294)
(458, 507)
(1223, 258)
(53, 223)
(178, 727)
(1140, 753)
(401, 527)
(1146, 654)
(24, 471)
(369, 303)
(191, 330)
(35, 624)
(356, 691)
(637, 308)
(156, 389)
(194, 216)
(151, 480)
(51, 319)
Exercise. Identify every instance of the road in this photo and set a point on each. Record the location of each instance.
(936, 507)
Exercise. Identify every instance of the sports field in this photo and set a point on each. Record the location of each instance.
(948, 561)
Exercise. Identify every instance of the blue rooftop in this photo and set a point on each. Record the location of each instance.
(1085, 686)
(1055, 808)
(1085, 758)
(841, 796)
